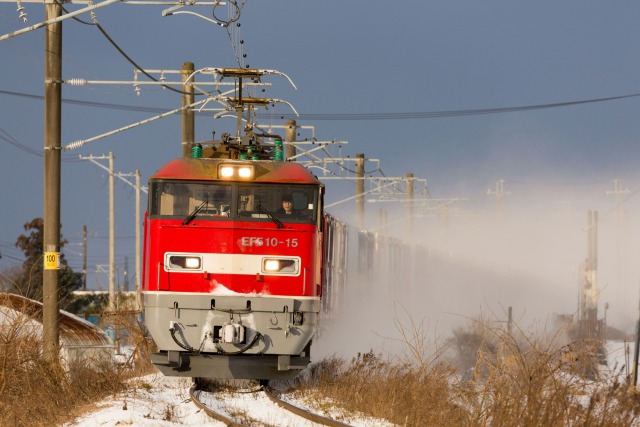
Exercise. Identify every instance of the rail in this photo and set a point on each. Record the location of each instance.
(301, 412)
(310, 416)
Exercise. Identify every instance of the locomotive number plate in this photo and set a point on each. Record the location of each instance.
(269, 241)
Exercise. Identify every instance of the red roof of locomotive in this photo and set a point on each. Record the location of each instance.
(207, 170)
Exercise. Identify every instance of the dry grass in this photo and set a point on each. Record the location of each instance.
(36, 392)
(515, 380)
(401, 393)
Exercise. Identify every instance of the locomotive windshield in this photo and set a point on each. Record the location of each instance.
(224, 201)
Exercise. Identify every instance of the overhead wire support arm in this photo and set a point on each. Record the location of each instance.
(94, 159)
(245, 73)
(319, 145)
(82, 82)
(58, 19)
(82, 142)
(357, 195)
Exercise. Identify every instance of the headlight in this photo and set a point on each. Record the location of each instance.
(226, 171)
(235, 171)
(184, 262)
(245, 172)
(279, 265)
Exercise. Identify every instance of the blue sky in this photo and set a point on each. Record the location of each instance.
(346, 58)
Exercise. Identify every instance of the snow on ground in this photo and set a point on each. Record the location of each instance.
(620, 357)
(165, 401)
(156, 401)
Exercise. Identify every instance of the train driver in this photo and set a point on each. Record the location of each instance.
(287, 206)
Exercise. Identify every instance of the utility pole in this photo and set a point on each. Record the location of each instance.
(589, 306)
(289, 137)
(112, 227)
(52, 156)
(410, 204)
(188, 126)
(112, 238)
(138, 254)
(618, 192)
(382, 219)
(84, 257)
(621, 236)
(360, 190)
(636, 354)
(499, 193)
(138, 188)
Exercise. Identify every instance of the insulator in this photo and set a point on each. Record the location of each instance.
(74, 145)
(196, 152)
(76, 82)
(23, 14)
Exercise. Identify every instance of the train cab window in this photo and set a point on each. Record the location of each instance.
(183, 199)
(266, 201)
(187, 201)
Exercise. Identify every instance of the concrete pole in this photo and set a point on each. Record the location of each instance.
(382, 220)
(138, 254)
(591, 282)
(360, 190)
(112, 239)
(290, 136)
(410, 204)
(52, 145)
(188, 126)
(84, 257)
(499, 195)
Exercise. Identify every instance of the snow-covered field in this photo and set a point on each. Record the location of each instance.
(165, 401)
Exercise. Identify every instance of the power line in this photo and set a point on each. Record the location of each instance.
(5, 136)
(117, 47)
(353, 116)
(450, 113)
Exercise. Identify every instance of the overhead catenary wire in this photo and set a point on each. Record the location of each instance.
(354, 116)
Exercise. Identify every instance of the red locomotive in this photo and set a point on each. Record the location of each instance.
(232, 271)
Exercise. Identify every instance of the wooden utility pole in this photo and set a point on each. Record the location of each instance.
(188, 125)
(291, 134)
(360, 190)
(52, 156)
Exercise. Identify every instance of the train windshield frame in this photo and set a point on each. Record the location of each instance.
(224, 201)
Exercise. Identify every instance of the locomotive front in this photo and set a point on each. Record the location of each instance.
(232, 267)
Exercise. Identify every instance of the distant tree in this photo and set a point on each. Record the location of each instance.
(29, 281)
(8, 277)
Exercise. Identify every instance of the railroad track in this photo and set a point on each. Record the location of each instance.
(271, 395)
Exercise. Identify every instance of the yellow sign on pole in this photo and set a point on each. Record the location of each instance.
(52, 260)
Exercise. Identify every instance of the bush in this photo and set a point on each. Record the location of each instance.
(37, 392)
(510, 380)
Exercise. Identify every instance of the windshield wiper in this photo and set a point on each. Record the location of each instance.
(266, 212)
(195, 212)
